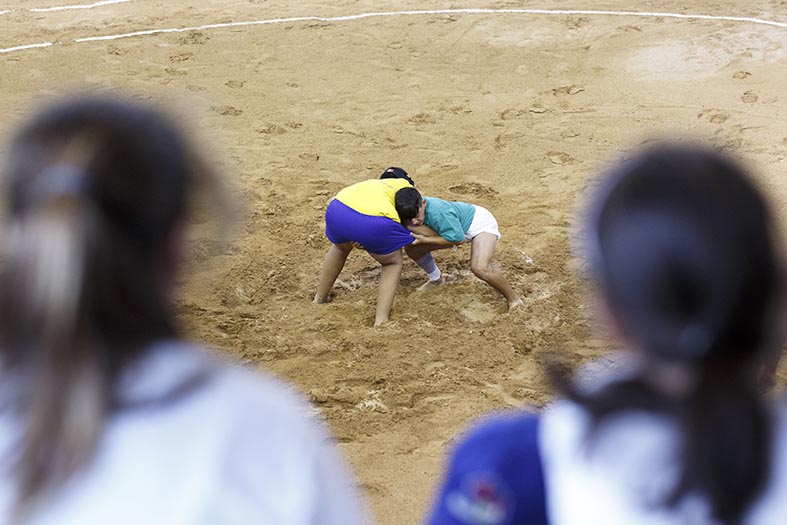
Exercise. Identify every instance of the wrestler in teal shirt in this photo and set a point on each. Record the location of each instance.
(449, 219)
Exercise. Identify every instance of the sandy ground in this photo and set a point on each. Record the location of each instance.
(514, 112)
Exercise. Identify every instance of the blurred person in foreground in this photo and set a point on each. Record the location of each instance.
(687, 269)
(107, 415)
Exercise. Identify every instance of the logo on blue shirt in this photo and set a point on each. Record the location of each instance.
(481, 500)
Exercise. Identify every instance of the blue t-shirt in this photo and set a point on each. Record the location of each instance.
(495, 476)
(449, 219)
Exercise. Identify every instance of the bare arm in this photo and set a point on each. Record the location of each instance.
(426, 235)
(426, 231)
(432, 239)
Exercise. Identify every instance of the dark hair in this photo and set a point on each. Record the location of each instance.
(407, 202)
(396, 173)
(682, 247)
(96, 189)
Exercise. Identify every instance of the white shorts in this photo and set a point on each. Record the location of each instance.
(483, 222)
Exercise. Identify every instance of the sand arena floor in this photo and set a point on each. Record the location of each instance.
(512, 111)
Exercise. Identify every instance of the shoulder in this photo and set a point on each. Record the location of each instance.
(278, 448)
(630, 438)
(394, 184)
(778, 412)
(273, 402)
(435, 202)
(496, 443)
(401, 183)
(509, 432)
(771, 506)
(193, 380)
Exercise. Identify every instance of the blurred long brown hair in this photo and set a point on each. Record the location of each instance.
(97, 190)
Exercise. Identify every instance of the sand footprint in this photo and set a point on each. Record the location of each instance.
(391, 143)
(271, 129)
(713, 115)
(194, 37)
(422, 118)
(750, 97)
(459, 109)
(504, 139)
(175, 72)
(559, 157)
(473, 188)
(576, 23)
(227, 110)
(181, 57)
(513, 113)
(567, 90)
(478, 312)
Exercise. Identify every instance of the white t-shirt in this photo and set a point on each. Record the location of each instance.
(631, 467)
(237, 448)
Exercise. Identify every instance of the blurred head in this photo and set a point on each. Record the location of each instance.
(410, 206)
(98, 192)
(682, 248)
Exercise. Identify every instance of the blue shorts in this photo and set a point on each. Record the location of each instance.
(377, 235)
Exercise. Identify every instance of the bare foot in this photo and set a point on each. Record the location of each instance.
(322, 300)
(428, 285)
(513, 304)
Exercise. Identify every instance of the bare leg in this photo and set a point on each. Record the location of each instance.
(480, 263)
(331, 268)
(389, 282)
(416, 252)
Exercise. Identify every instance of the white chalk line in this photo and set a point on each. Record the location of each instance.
(430, 12)
(28, 46)
(81, 6)
(752, 20)
(67, 7)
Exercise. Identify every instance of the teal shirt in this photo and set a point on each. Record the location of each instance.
(449, 219)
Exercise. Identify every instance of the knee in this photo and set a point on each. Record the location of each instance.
(481, 271)
(393, 259)
(393, 264)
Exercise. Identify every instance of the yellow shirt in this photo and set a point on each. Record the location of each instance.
(373, 197)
